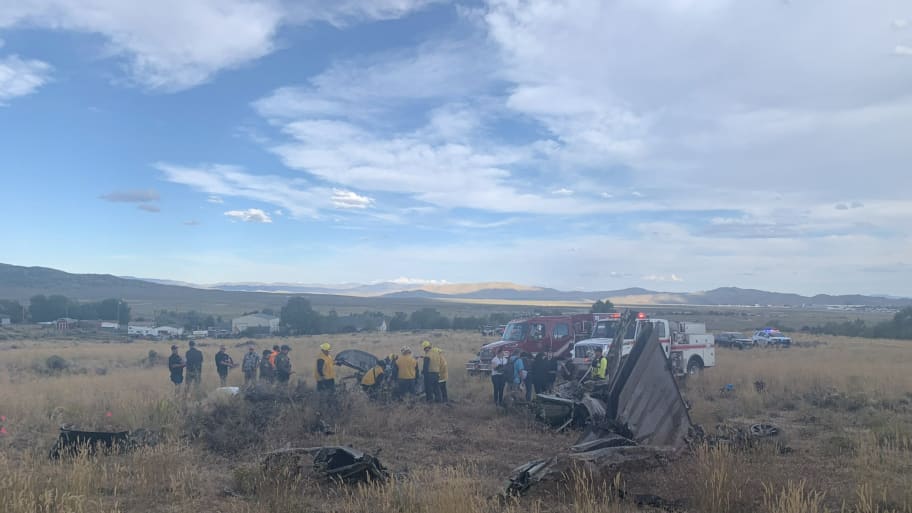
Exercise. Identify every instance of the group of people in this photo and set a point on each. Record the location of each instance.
(522, 373)
(399, 374)
(274, 366)
(396, 373)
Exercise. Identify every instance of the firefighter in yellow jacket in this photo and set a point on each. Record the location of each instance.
(431, 371)
(406, 370)
(441, 386)
(599, 365)
(325, 370)
(373, 380)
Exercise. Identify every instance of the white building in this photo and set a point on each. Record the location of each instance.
(169, 331)
(255, 321)
(4, 321)
(141, 331)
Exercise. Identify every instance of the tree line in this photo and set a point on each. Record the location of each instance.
(899, 327)
(298, 317)
(50, 308)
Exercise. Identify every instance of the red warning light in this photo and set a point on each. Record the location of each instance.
(641, 315)
(109, 414)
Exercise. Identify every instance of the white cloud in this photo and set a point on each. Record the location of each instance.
(170, 45)
(563, 191)
(21, 77)
(251, 215)
(901, 23)
(661, 277)
(132, 196)
(606, 195)
(348, 199)
(903, 50)
(154, 209)
(345, 12)
(215, 199)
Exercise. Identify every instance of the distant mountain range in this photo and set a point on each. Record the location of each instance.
(506, 291)
(17, 282)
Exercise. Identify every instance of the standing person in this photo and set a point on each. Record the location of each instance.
(441, 384)
(267, 370)
(406, 373)
(250, 364)
(498, 364)
(194, 365)
(273, 354)
(223, 363)
(599, 366)
(551, 368)
(538, 376)
(325, 371)
(519, 370)
(431, 370)
(526, 374)
(176, 366)
(283, 365)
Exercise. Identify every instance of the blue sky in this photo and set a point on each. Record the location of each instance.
(674, 145)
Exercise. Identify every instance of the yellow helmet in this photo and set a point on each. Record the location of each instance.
(425, 344)
(437, 349)
(325, 346)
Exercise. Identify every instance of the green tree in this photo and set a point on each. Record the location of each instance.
(399, 322)
(428, 318)
(602, 307)
(298, 317)
(13, 310)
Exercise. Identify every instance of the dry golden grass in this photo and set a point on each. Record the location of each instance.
(843, 405)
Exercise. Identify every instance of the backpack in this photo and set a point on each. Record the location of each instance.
(508, 370)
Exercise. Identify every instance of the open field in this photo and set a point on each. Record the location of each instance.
(844, 406)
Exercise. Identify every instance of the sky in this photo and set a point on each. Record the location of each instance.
(675, 145)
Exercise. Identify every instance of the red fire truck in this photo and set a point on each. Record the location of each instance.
(553, 334)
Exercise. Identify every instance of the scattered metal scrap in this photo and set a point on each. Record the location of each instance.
(72, 441)
(639, 419)
(332, 462)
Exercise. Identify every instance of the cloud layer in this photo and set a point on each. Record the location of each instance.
(21, 77)
(251, 215)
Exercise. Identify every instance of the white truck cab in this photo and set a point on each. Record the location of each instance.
(687, 345)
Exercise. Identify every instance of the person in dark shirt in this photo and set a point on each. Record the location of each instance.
(194, 365)
(267, 369)
(223, 363)
(283, 365)
(176, 366)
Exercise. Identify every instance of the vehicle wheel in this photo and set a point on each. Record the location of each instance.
(694, 367)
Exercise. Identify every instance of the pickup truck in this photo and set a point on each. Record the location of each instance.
(771, 337)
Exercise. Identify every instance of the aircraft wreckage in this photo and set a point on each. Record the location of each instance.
(637, 418)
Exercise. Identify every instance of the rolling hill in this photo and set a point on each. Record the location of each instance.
(145, 296)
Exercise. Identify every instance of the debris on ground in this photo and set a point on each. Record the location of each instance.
(739, 437)
(639, 419)
(72, 441)
(344, 464)
(268, 392)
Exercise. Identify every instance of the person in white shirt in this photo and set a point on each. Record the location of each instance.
(497, 375)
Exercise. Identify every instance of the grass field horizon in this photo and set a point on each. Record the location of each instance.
(843, 406)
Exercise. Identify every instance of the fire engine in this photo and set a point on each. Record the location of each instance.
(687, 345)
(553, 334)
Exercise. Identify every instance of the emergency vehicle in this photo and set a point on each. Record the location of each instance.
(687, 345)
(553, 334)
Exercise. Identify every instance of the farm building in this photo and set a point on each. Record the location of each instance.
(256, 322)
(169, 331)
